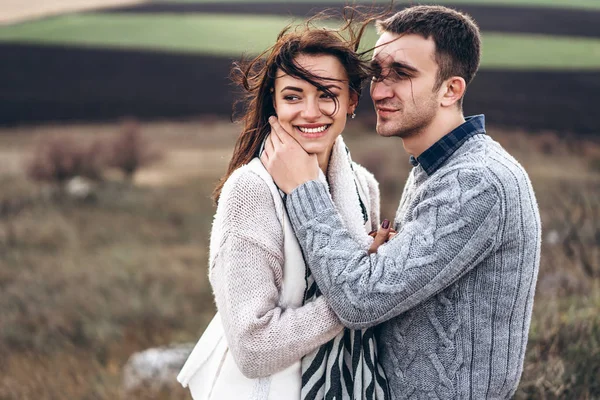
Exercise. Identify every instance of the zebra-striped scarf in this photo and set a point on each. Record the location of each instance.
(346, 367)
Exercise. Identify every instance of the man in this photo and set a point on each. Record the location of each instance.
(452, 291)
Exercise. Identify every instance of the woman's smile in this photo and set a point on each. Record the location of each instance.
(312, 131)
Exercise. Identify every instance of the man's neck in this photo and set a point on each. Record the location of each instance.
(440, 126)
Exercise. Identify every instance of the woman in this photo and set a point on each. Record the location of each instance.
(276, 337)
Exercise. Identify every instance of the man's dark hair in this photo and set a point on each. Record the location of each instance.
(456, 37)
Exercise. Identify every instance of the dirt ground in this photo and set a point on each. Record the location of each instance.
(12, 11)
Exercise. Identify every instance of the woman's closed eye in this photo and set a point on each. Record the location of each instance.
(291, 97)
(328, 96)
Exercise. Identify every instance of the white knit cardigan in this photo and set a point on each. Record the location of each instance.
(257, 273)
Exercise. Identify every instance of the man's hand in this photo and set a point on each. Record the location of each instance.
(381, 236)
(287, 162)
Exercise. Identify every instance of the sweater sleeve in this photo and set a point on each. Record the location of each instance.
(246, 276)
(452, 228)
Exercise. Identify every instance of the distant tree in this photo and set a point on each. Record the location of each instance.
(57, 159)
(130, 150)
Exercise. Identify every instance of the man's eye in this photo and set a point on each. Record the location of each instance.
(390, 75)
(377, 72)
(398, 75)
(377, 77)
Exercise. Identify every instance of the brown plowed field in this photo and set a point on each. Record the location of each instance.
(55, 83)
(551, 21)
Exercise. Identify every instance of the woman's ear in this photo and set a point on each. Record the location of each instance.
(353, 103)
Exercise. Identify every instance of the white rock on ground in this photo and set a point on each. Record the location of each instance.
(79, 188)
(155, 368)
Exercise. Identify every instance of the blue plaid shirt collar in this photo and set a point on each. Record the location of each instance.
(433, 158)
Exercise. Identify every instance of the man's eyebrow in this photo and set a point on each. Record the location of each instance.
(396, 65)
(375, 63)
(296, 89)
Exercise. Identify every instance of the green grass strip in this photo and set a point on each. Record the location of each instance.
(232, 35)
(194, 33)
(577, 4)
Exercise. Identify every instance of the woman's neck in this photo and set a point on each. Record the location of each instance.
(323, 159)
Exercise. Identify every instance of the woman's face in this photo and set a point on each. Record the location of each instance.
(308, 113)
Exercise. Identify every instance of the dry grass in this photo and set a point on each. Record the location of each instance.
(83, 285)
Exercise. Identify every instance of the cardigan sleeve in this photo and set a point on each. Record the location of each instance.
(246, 276)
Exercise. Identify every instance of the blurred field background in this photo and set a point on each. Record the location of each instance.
(87, 280)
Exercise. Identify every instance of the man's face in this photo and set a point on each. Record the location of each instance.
(404, 96)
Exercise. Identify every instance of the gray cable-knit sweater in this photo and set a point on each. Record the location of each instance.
(452, 292)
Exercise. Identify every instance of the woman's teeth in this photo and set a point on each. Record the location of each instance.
(313, 130)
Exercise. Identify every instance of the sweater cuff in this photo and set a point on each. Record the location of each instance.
(307, 201)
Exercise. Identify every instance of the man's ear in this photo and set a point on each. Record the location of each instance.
(453, 90)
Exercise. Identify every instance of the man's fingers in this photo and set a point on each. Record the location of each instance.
(381, 236)
(269, 145)
(264, 158)
(276, 128)
(284, 136)
(276, 131)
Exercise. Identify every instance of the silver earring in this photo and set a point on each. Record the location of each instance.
(353, 115)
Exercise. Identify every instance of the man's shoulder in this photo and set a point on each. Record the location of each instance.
(487, 158)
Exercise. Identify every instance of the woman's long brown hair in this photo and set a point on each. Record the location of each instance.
(257, 76)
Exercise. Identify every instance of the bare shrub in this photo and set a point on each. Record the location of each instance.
(130, 150)
(594, 164)
(564, 349)
(580, 211)
(60, 158)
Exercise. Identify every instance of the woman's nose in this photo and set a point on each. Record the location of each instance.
(311, 109)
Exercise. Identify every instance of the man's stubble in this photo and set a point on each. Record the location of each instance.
(409, 121)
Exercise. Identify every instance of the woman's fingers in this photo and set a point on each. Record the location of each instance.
(381, 236)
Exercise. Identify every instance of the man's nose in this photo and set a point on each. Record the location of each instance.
(380, 91)
(311, 109)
